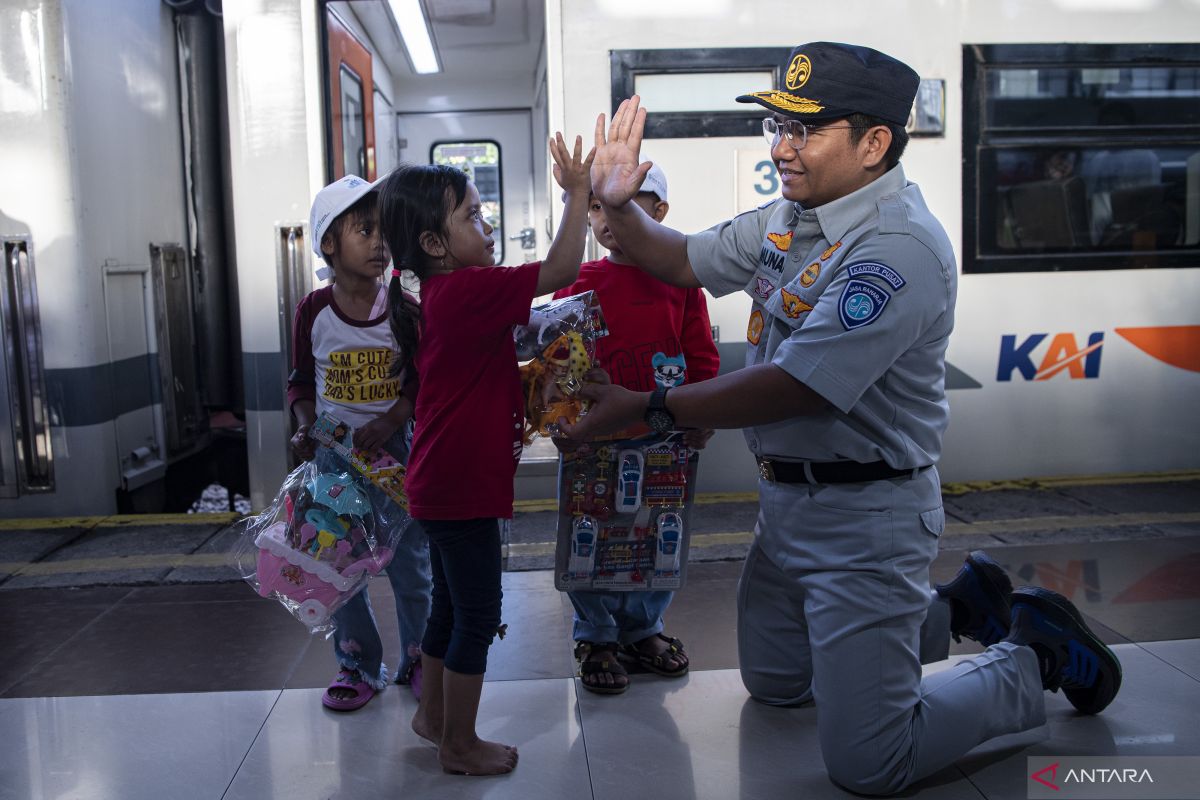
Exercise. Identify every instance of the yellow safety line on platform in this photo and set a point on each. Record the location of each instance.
(117, 521)
(967, 487)
(533, 506)
(118, 563)
(990, 527)
(699, 541)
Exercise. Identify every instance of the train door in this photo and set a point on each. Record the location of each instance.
(495, 149)
(351, 102)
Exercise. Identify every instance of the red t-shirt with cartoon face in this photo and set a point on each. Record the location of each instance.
(469, 414)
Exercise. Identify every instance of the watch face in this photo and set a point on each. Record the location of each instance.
(660, 421)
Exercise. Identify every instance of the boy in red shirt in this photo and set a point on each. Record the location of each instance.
(658, 334)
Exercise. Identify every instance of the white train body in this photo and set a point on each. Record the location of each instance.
(121, 343)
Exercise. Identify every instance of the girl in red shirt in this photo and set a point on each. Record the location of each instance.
(469, 417)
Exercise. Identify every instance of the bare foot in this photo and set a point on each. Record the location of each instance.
(427, 729)
(478, 758)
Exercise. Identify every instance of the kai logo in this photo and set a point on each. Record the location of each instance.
(1063, 354)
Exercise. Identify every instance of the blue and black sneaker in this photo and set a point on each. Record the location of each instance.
(1069, 654)
(978, 597)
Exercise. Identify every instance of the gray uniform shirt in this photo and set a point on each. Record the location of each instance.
(855, 299)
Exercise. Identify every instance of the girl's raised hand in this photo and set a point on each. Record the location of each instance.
(571, 170)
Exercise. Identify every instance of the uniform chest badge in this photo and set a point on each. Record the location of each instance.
(782, 241)
(830, 251)
(763, 288)
(809, 276)
(755, 328)
(793, 306)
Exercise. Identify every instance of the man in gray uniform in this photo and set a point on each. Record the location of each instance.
(843, 402)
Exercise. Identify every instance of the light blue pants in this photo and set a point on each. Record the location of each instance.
(356, 641)
(622, 617)
(832, 599)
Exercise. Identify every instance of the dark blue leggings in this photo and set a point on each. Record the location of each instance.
(465, 557)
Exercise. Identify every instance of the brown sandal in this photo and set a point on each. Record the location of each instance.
(658, 663)
(600, 659)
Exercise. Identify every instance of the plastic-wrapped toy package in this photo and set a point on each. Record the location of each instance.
(559, 342)
(624, 514)
(319, 542)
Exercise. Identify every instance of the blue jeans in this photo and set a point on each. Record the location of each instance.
(465, 555)
(622, 617)
(356, 641)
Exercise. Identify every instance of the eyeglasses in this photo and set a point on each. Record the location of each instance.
(796, 132)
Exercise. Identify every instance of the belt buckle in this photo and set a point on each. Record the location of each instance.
(766, 470)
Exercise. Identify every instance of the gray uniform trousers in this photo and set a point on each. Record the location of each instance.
(831, 604)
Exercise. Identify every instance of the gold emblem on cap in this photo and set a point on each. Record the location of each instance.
(798, 71)
(787, 102)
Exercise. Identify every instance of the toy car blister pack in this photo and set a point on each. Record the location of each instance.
(623, 514)
(559, 345)
(320, 541)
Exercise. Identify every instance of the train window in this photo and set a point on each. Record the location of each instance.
(699, 91)
(1080, 157)
(690, 93)
(354, 151)
(481, 161)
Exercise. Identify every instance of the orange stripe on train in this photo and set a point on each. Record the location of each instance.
(1177, 345)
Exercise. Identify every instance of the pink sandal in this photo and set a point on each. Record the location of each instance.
(352, 680)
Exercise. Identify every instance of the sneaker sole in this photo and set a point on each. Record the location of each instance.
(1054, 605)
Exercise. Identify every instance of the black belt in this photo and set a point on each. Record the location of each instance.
(831, 471)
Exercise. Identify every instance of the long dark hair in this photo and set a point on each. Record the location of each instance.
(412, 200)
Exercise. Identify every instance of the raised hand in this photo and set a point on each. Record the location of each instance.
(571, 170)
(616, 174)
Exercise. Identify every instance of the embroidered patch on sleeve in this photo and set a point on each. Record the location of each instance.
(754, 328)
(861, 304)
(876, 270)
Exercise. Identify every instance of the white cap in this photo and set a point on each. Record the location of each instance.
(656, 183)
(331, 201)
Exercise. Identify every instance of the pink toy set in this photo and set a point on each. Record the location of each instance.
(315, 546)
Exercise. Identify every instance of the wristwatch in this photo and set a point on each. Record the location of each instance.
(657, 416)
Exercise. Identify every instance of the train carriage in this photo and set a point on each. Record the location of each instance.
(159, 159)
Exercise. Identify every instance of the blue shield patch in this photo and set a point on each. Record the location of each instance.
(861, 304)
